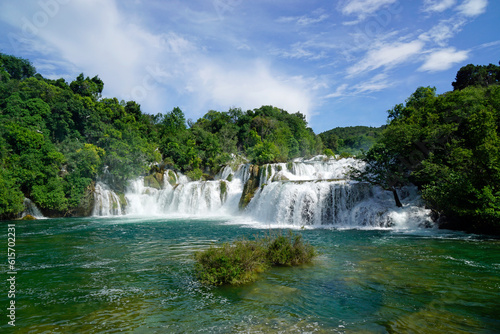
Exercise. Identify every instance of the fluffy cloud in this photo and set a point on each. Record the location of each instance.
(251, 86)
(444, 59)
(473, 7)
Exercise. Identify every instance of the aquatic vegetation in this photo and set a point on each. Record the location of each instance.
(242, 261)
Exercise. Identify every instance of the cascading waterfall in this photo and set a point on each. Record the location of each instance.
(181, 197)
(31, 209)
(107, 202)
(317, 168)
(312, 192)
(343, 204)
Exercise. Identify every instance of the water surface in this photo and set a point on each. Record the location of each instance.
(110, 275)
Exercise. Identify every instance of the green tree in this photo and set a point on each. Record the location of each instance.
(17, 68)
(11, 197)
(477, 75)
(87, 87)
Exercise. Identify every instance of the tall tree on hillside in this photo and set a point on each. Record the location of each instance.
(477, 75)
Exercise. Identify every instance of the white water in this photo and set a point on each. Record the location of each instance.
(107, 202)
(196, 198)
(31, 209)
(303, 193)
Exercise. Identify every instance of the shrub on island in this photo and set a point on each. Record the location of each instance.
(241, 261)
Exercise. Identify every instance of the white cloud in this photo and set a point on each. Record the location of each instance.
(302, 20)
(473, 7)
(363, 8)
(386, 56)
(251, 86)
(443, 59)
(443, 31)
(438, 5)
(377, 83)
(303, 50)
(339, 92)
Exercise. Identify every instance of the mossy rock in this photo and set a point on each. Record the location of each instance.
(269, 171)
(159, 177)
(152, 182)
(223, 191)
(250, 187)
(28, 217)
(230, 177)
(172, 178)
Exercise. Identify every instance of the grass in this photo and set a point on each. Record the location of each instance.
(242, 261)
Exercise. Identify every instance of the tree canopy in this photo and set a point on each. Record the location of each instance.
(350, 140)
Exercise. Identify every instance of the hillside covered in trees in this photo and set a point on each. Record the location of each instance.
(58, 138)
(351, 140)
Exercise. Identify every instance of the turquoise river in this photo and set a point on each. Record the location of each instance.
(126, 275)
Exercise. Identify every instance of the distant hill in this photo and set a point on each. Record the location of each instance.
(351, 139)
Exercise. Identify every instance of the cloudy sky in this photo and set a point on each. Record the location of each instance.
(341, 63)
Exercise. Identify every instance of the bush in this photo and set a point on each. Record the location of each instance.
(289, 250)
(195, 175)
(328, 152)
(231, 264)
(242, 261)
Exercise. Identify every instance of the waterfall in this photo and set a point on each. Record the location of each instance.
(341, 204)
(107, 202)
(179, 196)
(31, 209)
(314, 192)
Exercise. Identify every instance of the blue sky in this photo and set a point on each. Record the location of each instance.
(341, 63)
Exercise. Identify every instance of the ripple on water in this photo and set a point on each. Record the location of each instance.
(109, 275)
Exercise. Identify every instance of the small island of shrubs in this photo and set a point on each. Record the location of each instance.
(241, 261)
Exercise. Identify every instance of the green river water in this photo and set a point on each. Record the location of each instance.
(125, 275)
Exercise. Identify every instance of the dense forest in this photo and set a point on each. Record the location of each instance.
(57, 139)
(449, 146)
(352, 140)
